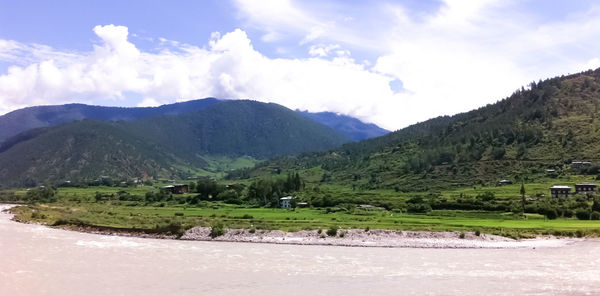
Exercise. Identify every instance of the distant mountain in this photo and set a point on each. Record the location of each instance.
(354, 128)
(42, 116)
(25, 119)
(162, 145)
(547, 126)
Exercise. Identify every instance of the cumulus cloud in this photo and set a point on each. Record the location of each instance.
(459, 56)
(456, 57)
(229, 68)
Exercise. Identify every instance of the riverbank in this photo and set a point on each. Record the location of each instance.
(378, 238)
(342, 237)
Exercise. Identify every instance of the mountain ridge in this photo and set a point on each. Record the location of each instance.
(28, 118)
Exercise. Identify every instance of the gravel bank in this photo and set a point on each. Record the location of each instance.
(376, 238)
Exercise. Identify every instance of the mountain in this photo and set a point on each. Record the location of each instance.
(547, 126)
(42, 116)
(164, 146)
(25, 119)
(354, 128)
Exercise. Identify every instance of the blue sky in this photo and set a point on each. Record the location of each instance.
(393, 63)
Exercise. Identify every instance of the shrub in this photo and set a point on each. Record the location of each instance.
(582, 214)
(246, 216)
(252, 230)
(319, 231)
(462, 235)
(332, 231)
(595, 215)
(342, 233)
(180, 214)
(418, 208)
(217, 229)
(477, 232)
(367, 229)
(551, 214)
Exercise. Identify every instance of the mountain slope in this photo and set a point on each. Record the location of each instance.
(82, 150)
(25, 119)
(163, 146)
(354, 128)
(260, 130)
(545, 127)
(42, 116)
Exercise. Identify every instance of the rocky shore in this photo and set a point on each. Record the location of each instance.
(376, 238)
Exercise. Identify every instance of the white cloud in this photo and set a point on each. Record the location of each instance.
(460, 56)
(230, 68)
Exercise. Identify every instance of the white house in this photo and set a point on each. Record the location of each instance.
(286, 202)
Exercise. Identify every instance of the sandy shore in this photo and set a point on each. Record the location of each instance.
(346, 237)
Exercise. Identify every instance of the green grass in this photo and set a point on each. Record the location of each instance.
(142, 217)
(76, 204)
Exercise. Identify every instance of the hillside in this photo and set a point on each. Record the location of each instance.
(82, 150)
(354, 128)
(164, 146)
(26, 119)
(547, 126)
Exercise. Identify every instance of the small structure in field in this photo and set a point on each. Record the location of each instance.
(586, 188)
(504, 182)
(286, 202)
(177, 188)
(560, 191)
(302, 205)
(369, 208)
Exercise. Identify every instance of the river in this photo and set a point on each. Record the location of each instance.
(37, 260)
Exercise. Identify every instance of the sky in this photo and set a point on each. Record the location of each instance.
(392, 63)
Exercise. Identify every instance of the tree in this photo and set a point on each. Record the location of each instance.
(522, 191)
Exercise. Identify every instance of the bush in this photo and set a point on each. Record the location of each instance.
(462, 235)
(217, 229)
(418, 208)
(246, 216)
(551, 214)
(477, 233)
(319, 231)
(582, 214)
(332, 231)
(595, 215)
(179, 214)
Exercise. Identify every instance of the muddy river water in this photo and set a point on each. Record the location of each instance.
(37, 260)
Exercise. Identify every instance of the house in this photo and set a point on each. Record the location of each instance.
(578, 165)
(504, 182)
(586, 188)
(286, 202)
(560, 191)
(177, 188)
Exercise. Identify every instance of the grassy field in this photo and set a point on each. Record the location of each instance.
(144, 217)
(77, 206)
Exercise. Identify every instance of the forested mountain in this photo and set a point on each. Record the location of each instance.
(164, 146)
(546, 126)
(42, 116)
(25, 119)
(356, 129)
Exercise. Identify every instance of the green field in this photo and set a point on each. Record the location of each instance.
(77, 206)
